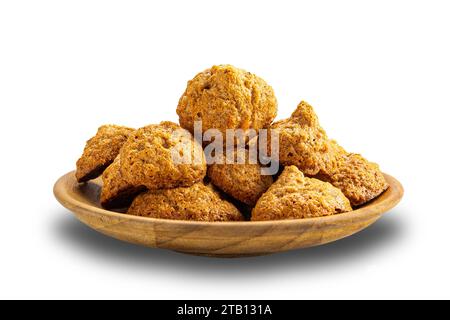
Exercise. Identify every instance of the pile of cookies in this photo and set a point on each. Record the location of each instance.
(317, 177)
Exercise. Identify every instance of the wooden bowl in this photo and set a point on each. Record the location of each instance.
(219, 239)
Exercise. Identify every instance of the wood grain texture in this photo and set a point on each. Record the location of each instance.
(219, 239)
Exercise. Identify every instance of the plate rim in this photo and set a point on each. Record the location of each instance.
(62, 196)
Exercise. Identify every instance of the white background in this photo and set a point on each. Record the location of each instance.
(378, 74)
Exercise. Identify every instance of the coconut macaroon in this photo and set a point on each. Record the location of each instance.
(294, 196)
(116, 192)
(162, 156)
(241, 178)
(100, 151)
(199, 202)
(305, 144)
(224, 97)
(359, 179)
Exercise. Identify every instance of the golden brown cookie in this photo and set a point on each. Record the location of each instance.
(225, 97)
(162, 156)
(303, 142)
(294, 196)
(359, 179)
(100, 151)
(116, 192)
(196, 203)
(241, 180)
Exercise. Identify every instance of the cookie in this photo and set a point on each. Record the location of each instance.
(162, 156)
(116, 192)
(303, 142)
(224, 97)
(199, 202)
(242, 179)
(294, 196)
(100, 151)
(359, 179)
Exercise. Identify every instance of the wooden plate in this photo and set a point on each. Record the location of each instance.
(223, 239)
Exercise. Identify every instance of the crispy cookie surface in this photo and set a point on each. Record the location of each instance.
(303, 142)
(116, 192)
(162, 156)
(242, 179)
(199, 202)
(225, 97)
(359, 179)
(100, 151)
(294, 196)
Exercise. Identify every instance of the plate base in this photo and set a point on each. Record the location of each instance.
(224, 256)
